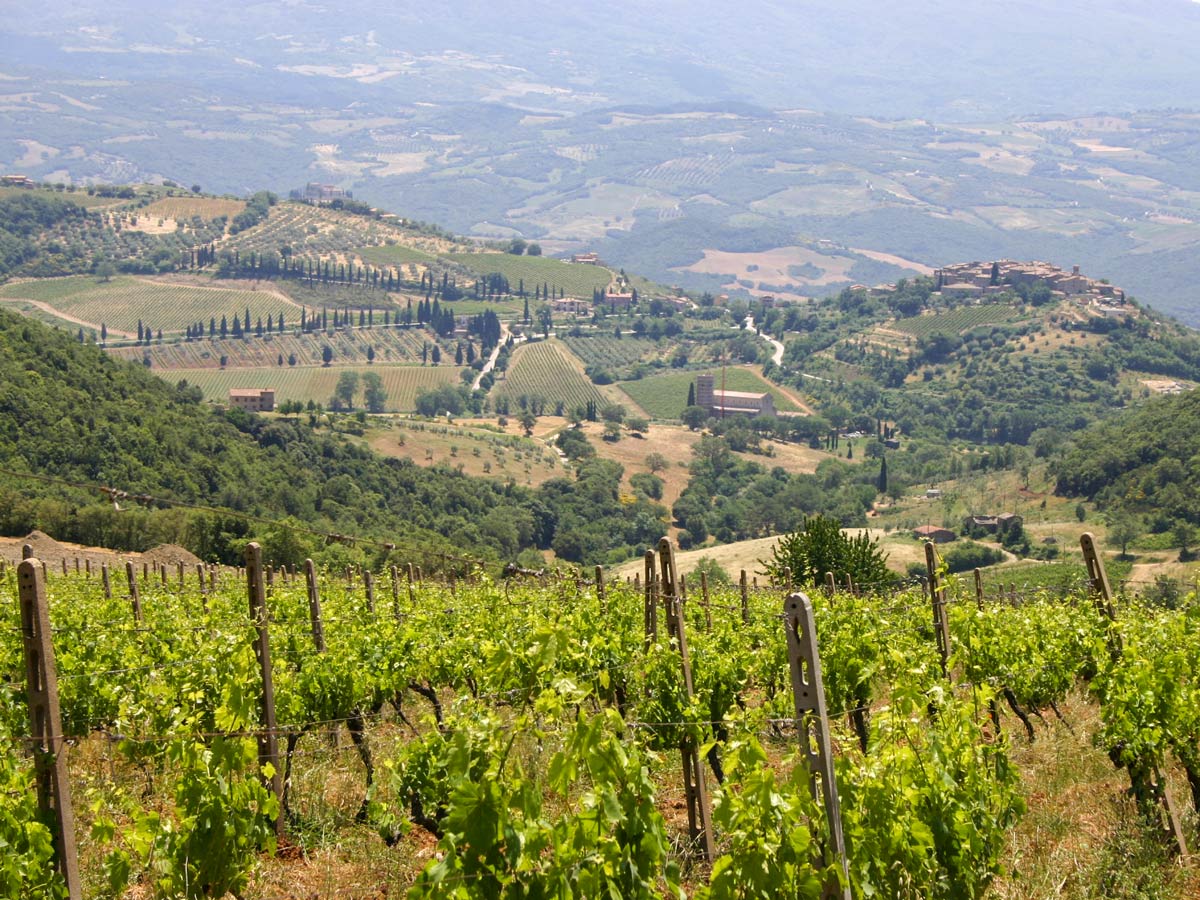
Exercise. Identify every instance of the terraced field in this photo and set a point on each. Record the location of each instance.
(665, 396)
(574, 279)
(956, 321)
(317, 383)
(545, 369)
(122, 302)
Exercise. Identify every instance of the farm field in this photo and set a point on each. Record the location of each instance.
(665, 396)
(316, 383)
(476, 451)
(574, 279)
(956, 321)
(546, 369)
(349, 345)
(607, 352)
(185, 208)
(124, 301)
(394, 255)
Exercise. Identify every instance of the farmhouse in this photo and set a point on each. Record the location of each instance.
(935, 534)
(571, 305)
(731, 403)
(252, 399)
(16, 181)
(590, 259)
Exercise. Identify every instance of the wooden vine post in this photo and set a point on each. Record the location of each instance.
(651, 617)
(600, 587)
(369, 588)
(1144, 778)
(314, 605)
(812, 724)
(395, 592)
(694, 787)
(106, 581)
(745, 599)
(134, 598)
(268, 740)
(45, 721)
(937, 593)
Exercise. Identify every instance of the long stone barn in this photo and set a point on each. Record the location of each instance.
(732, 403)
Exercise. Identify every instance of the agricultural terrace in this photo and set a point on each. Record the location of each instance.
(476, 451)
(316, 383)
(956, 321)
(665, 396)
(573, 279)
(545, 369)
(124, 301)
(350, 346)
(187, 208)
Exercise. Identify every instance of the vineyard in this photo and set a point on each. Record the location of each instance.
(610, 353)
(123, 302)
(544, 369)
(349, 346)
(316, 383)
(572, 279)
(665, 396)
(956, 321)
(558, 737)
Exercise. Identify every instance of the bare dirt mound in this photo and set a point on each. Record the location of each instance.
(44, 546)
(170, 555)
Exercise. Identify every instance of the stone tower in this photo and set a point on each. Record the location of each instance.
(704, 393)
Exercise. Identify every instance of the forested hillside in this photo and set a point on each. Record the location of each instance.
(69, 411)
(1146, 460)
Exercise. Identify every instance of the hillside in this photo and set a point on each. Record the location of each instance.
(69, 411)
(1142, 462)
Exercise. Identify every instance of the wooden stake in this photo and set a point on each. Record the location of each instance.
(937, 592)
(314, 605)
(45, 721)
(812, 723)
(268, 741)
(745, 599)
(135, 599)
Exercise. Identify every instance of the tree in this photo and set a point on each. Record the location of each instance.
(881, 483)
(436, 354)
(637, 424)
(370, 354)
(1123, 529)
(822, 547)
(545, 317)
(527, 420)
(326, 354)
(374, 395)
(105, 271)
(1183, 535)
(694, 417)
(656, 462)
(533, 250)
(691, 401)
(344, 391)
(613, 412)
